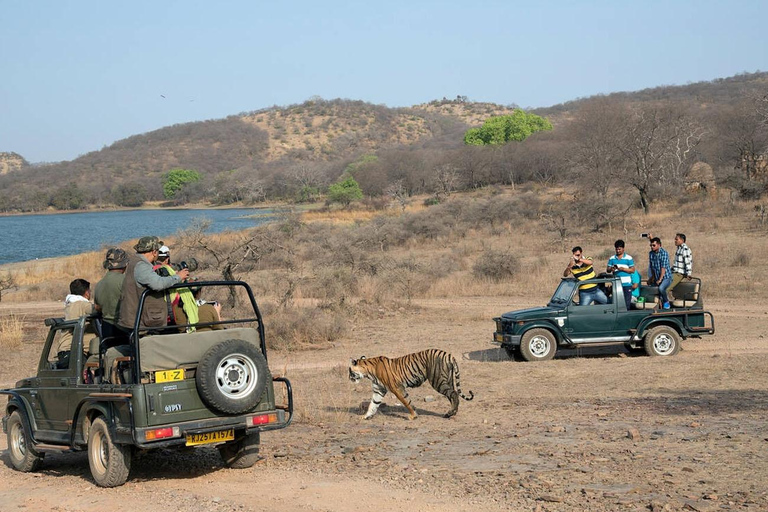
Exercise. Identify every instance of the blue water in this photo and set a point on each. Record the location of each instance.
(28, 237)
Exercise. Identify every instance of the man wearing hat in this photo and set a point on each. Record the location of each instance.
(139, 275)
(106, 295)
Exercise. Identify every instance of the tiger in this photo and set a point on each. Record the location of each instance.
(410, 371)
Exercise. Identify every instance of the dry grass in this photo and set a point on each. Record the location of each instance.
(337, 391)
(11, 331)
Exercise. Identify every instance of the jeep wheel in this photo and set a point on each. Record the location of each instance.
(241, 454)
(23, 456)
(110, 462)
(232, 376)
(662, 341)
(538, 345)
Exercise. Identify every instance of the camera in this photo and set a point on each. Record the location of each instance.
(644, 235)
(190, 265)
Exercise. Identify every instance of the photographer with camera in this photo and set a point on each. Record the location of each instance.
(140, 275)
(164, 267)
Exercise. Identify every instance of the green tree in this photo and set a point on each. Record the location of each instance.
(502, 129)
(345, 190)
(175, 179)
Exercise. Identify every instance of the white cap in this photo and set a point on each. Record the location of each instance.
(164, 251)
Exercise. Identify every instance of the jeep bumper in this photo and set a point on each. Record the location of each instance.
(507, 339)
(244, 424)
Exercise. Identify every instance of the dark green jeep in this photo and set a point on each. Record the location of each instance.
(536, 333)
(156, 389)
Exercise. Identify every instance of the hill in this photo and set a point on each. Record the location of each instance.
(279, 151)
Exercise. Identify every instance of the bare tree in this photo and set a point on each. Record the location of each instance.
(398, 193)
(308, 177)
(7, 282)
(596, 153)
(657, 140)
(447, 178)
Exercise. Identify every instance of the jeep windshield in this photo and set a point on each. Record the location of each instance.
(563, 293)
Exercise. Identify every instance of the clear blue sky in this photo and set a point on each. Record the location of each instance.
(78, 75)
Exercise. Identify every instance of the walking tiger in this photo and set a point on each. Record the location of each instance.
(410, 371)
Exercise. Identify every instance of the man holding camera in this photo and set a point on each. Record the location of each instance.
(581, 268)
(140, 275)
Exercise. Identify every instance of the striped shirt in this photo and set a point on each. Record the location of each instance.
(624, 262)
(683, 260)
(582, 272)
(657, 261)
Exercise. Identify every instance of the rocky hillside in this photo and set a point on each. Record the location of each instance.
(10, 162)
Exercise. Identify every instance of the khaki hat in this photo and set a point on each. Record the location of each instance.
(147, 244)
(116, 259)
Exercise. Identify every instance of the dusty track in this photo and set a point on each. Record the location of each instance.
(594, 430)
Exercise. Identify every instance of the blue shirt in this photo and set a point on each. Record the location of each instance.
(624, 262)
(657, 261)
(636, 279)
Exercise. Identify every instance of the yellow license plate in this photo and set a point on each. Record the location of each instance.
(169, 375)
(498, 337)
(211, 437)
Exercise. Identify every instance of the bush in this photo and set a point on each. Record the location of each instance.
(496, 265)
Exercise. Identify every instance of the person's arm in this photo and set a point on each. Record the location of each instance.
(146, 276)
(688, 259)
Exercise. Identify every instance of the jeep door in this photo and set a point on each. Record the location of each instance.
(591, 323)
(56, 376)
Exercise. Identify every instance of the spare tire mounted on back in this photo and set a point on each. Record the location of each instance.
(231, 376)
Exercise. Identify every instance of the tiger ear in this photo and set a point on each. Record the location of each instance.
(362, 357)
(353, 362)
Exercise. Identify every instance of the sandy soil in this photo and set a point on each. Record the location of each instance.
(598, 430)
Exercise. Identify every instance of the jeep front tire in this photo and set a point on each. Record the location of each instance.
(23, 456)
(538, 345)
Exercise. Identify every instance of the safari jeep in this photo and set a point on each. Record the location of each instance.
(156, 389)
(537, 333)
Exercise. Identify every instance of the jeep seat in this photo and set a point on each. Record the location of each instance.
(686, 294)
(650, 293)
(171, 351)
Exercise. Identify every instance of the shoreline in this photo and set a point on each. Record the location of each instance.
(153, 206)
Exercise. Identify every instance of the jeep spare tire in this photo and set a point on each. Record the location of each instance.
(231, 376)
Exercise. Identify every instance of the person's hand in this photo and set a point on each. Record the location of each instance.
(217, 307)
(183, 274)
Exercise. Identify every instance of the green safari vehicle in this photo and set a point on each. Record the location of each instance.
(535, 334)
(158, 388)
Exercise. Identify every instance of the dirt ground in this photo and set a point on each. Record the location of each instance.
(598, 430)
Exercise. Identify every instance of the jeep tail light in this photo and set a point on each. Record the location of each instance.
(161, 433)
(261, 419)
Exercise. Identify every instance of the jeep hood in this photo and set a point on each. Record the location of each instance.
(531, 314)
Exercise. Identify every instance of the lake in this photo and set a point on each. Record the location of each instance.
(28, 237)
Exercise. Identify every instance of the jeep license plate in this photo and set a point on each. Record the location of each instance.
(169, 375)
(211, 437)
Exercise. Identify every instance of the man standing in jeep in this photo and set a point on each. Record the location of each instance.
(139, 275)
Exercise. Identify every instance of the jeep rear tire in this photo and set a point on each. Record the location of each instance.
(110, 463)
(538, 345)
(241, 454)
(232, 376)
(662, 341)
(23, 456)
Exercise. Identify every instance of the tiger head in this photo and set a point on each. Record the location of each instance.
(358, 369)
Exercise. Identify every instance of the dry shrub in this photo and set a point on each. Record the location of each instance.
(741, 260)
(11, 331)
(496, 265)
(292, 328)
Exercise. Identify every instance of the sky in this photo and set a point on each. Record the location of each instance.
(78, 75)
